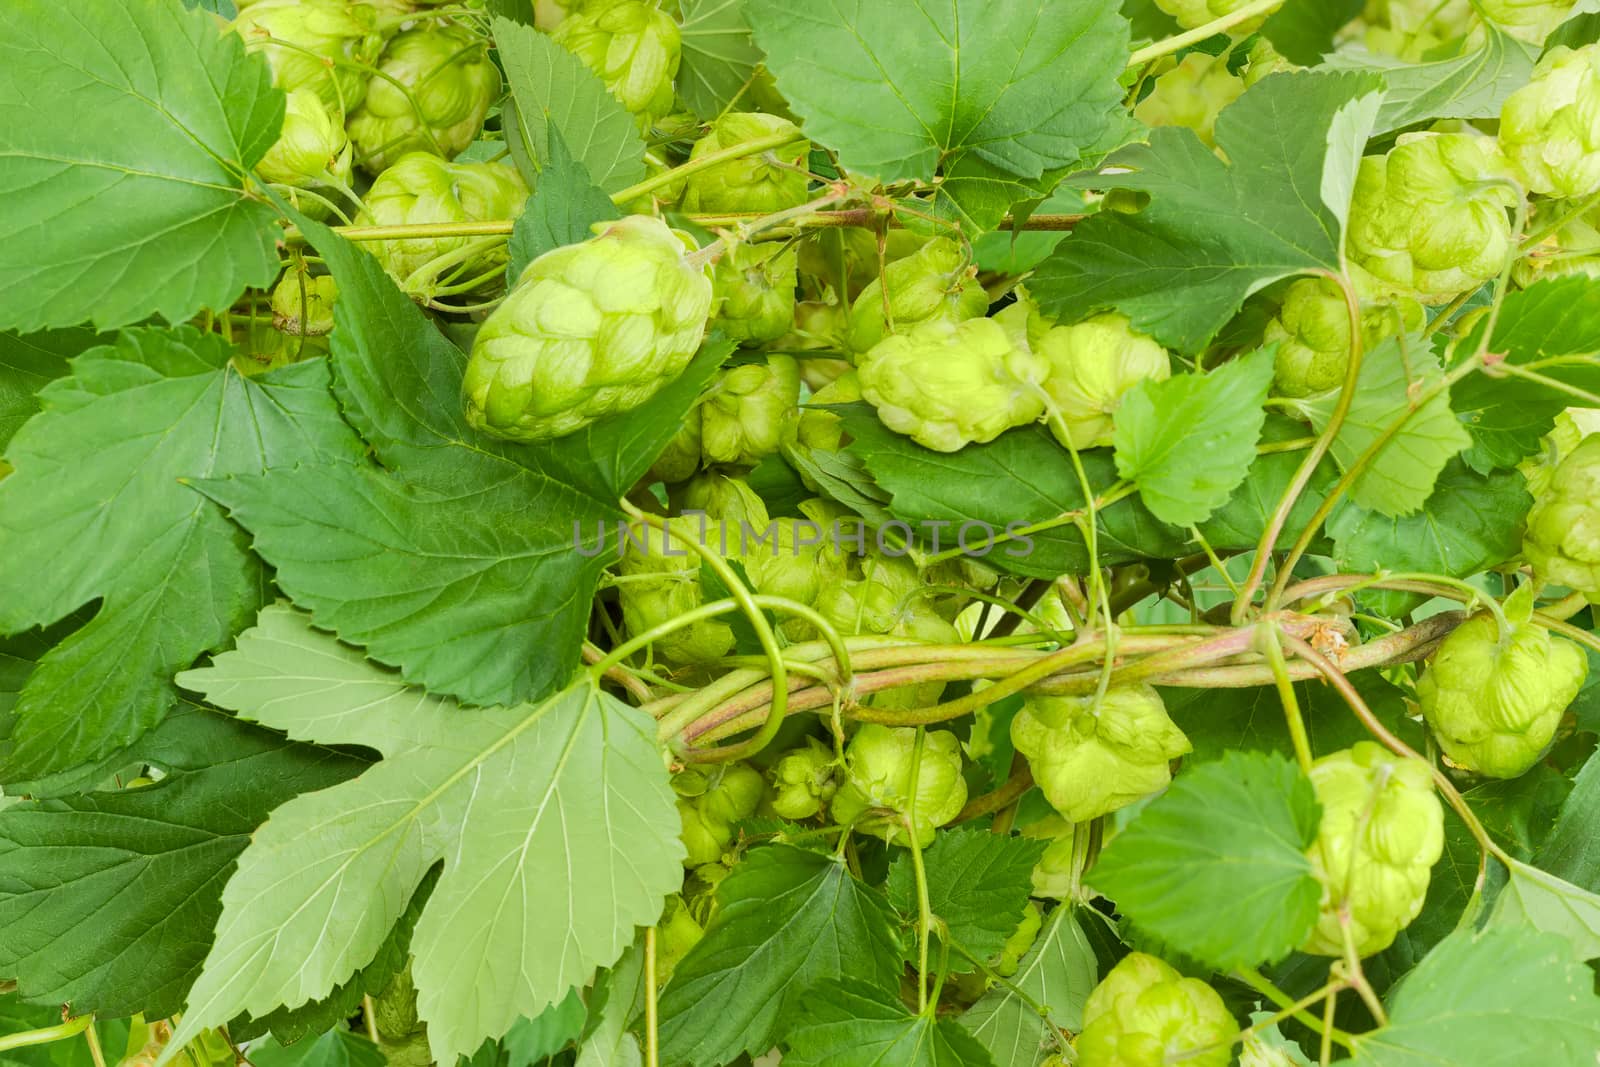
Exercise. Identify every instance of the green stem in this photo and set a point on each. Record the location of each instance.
(703, 163)
(1261, 984)
(652, 1043)
(1291, 704)
(46, 1034)
(924, 907)
(1201, 32)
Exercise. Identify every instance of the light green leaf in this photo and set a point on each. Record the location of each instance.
(338, 1047)
(130, 127)
(456, 561)
(552, 89)
(1472, 86)
(789, 918)
(171, 573)
(1215, 232)
(108, 899)
(577, 787)
(852, 1024)
(1532, 897)
(1508, 997)
(611, 1045)
(992, 93)
(560, 210)
(719, 55)
(1189, 441)
(1470, 523)
(1400, 475)
(1058, 972)
(978, 886)
(1216, 865)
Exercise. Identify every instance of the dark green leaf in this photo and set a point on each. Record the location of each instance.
(1572, 851)
(719, 55)
(853, 1024)
(978, 885)
(1302, 31)
(1058, 972)
(789, 918)
(1242, 521)
(17, 1017)
(338, 1047)
(29, 363)
(1216, 866)
(565, 203)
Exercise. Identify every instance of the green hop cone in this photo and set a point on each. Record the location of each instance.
(680, 460)
(762, 182)
(1550, 128)
(1191, 94)
(315, 44)
(802, 781)
(677, 932)
(936, 283)
(1539, 470)
(1382, 830)
(887, 600)
(312, 147)
(1527, 20)
(879, 764)
(1413, 30)
(1192, 13)
(743, 416)
(1562, 541)
(1264, 60)
(755, 292)
(422, 188)
(1052, 875)
(633, 47)
(662, 581)
(1494, 701)
(822, 429)
(710, 802)
(591, 330)
(1020, 941)
(1574, 248)
(1426, 221)
(437, 87)
(949, 384)
(849, 259)
(302, 304)
(1091, 759)
(1312, 331)
(1093, 364)
(1145, 1014)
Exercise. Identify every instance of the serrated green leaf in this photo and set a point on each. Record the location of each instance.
(1216, 866)
(720, 55)
(529, 1041)
(1507, 997)
(1399, 477)
(1553, 324)
(1215, 232)
(1469, 523)
(1023, 478)
(108, 899)
(1303, 31)
(461, 568)
(560, 211)
(789, 918)
(552, 89)
(610, 1044)
(853, 1024)
(338, 1047)
(1240, 523)
(1058, 972)
(1472, 86)
(30, 362)
(1188, 442)
(1532, 897)
(1572, 851)
(171, 574)
(121, 165)
(995, 94)
(577, 785)
(978, 885)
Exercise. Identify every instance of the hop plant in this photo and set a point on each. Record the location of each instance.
(763, 182)
(438, 83)
(423, 188)
(1562, 541)
(1426, 221)
(1191, 94)
(1092, 365)
(1093, 757)
(1413, 29)
(934, 284)
(1494, 699)
(744, 415)
(1527, 20)
(1192, 13)
(1550, 128)
(662, 581)
(821, 429)
(680, 460)
(633, 46)
(1312, 331)
(1021, 940)
(677, 932)
(949, 384)
(591, 330)
(319, 45)
(1052, 876)
(1143, 1014)
(880, 763)
(302, 304)
(262, 348)
(1574, 248)
(311, 149)
(755, 292)
(802, 781)
(710, 803)
(1382, 830)
(1263, 59)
